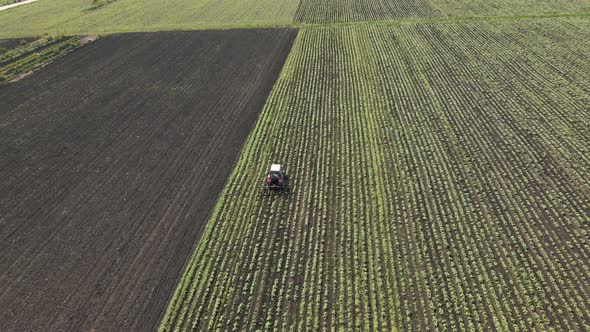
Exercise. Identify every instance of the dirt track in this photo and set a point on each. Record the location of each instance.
(13, 5)
(112, 158)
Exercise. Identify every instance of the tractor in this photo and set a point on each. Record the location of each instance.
(276, 181)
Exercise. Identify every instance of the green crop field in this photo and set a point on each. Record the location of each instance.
(78, 16)
(438, 152)
(441, 182)
(74, 16)
(321, 11)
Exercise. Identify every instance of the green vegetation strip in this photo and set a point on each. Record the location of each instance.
(72, 17)
(441, 177)
(28, 57)
(75, 17)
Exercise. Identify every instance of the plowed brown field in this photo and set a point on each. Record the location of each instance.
(111, 160)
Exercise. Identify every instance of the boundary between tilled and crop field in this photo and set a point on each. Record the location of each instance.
(237, 157)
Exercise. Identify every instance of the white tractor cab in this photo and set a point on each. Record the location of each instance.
(276, 180)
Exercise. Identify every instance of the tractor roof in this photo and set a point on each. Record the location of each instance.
(275, 168)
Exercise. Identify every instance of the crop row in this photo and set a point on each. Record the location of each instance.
(440, 179)
(321, 11)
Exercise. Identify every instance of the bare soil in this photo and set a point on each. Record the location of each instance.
(112, 159)
(9, 44)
